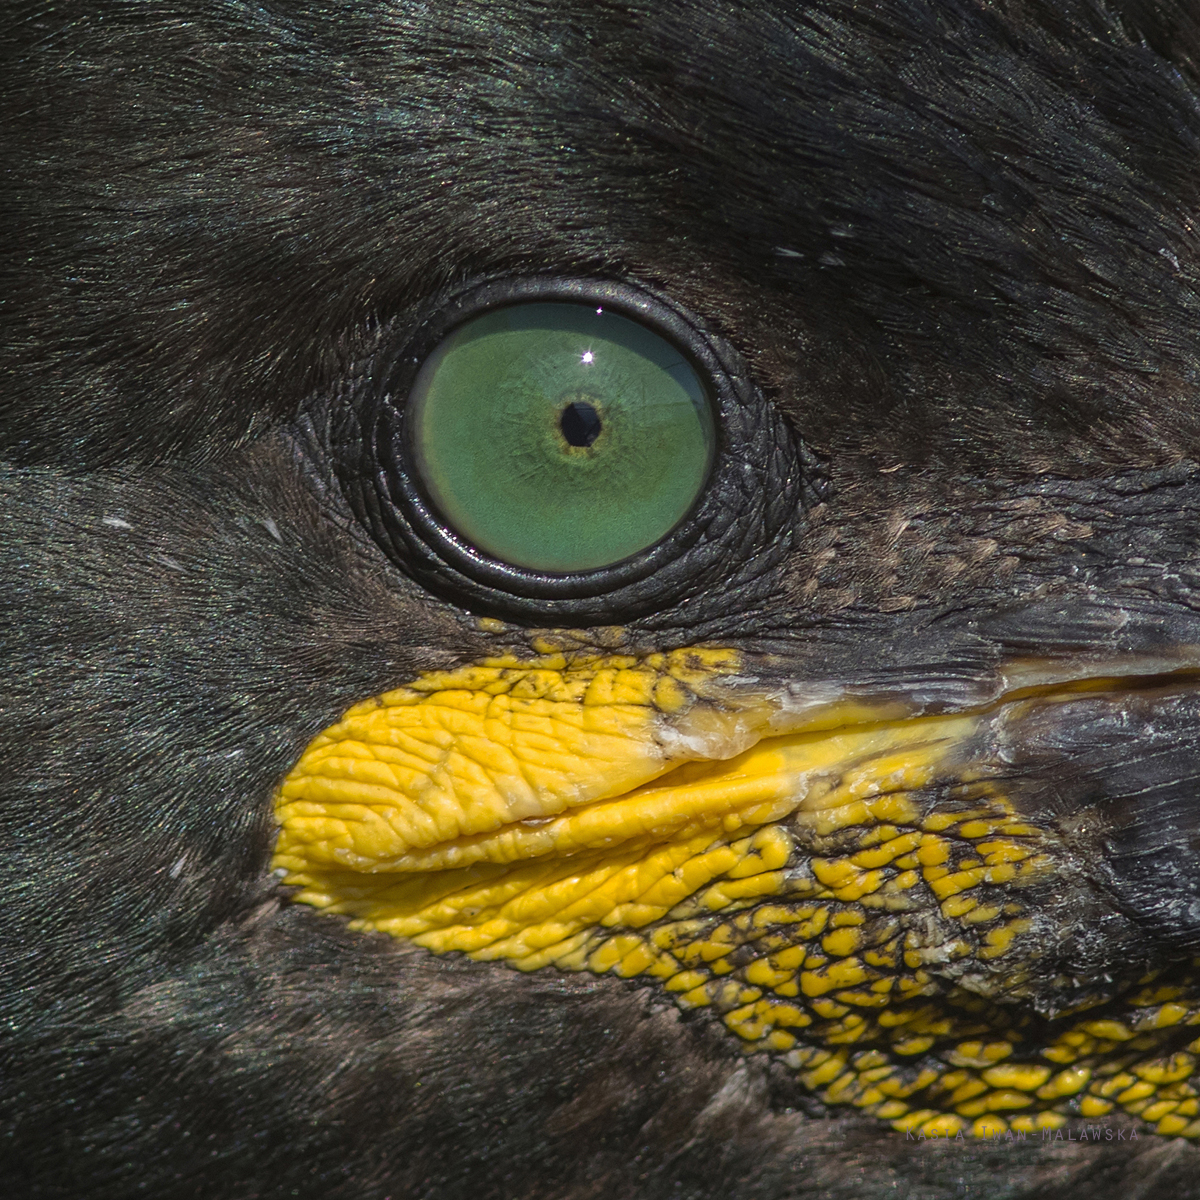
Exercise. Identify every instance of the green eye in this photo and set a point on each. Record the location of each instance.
(560, 437)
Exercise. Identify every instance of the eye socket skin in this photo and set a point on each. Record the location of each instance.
(732, 516)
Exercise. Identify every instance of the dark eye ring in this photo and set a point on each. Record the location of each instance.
(438, 430)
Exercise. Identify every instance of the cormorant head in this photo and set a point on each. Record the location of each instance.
(601, 599)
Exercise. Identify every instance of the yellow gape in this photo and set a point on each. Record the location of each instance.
(669, 816)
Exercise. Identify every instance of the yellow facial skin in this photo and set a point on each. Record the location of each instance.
(662, 816)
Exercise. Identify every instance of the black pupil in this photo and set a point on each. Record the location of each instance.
(580, 423)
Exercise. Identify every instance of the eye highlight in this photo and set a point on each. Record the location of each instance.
(560, 437)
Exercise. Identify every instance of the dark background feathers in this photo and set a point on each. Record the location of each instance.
(953, 238)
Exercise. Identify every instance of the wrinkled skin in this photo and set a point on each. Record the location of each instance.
(954, 244)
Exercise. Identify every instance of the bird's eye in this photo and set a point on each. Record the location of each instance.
(572, 451)
(560, 437)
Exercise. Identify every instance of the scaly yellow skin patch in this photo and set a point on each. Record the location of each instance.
(474, 765)
(657, 816)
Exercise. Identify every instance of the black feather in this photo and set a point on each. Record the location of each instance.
(956, 244)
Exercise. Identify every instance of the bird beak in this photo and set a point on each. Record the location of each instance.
(859, 883)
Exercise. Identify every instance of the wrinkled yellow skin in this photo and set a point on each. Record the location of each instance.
(665, 816)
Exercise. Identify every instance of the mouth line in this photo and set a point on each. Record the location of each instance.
(801, 767)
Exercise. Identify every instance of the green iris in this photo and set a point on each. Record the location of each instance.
(560, 437)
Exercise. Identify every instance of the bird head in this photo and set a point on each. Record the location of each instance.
(601, 598)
